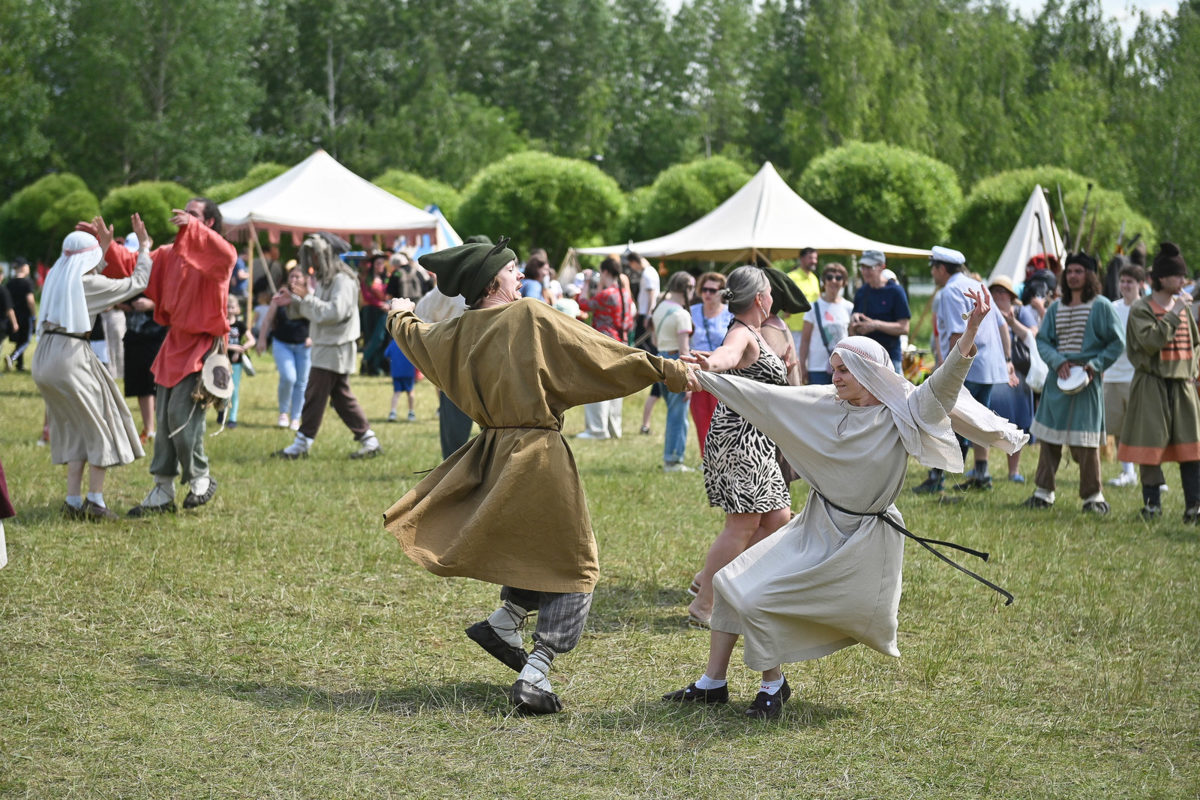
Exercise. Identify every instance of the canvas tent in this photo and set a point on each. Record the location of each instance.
(765, 217)
(1034, 233)
(319, 194)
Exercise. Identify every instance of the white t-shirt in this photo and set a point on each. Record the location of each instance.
(835, 319)
(670, 320)
(648, 284)
(1121, 370)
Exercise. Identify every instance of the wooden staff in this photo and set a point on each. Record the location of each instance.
(1083, 216)
(1066, 221)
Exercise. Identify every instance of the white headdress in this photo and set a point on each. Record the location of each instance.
(926, 429)
(63, 301)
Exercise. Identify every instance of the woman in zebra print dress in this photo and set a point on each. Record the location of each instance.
(741, 471)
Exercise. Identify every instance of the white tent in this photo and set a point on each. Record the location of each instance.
(319, 194)
(765, 217)
(1035, 233)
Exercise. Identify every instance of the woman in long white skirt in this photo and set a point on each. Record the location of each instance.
(90, 424)
(831, 577)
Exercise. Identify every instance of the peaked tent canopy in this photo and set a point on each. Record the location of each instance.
(319, 194)
(1034, 233)
(765, 217)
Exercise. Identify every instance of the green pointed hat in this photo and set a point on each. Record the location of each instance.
(469, 268)
(785, 294)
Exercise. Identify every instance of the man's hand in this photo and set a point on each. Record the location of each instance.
(282, 298)
(402, 304)
(181, 218)
(139, 230)
(97, 228)
(1064, 370)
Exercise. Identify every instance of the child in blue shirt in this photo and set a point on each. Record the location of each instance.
(403, 373)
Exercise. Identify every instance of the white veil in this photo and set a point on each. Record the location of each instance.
(63, 301)
(926, 428)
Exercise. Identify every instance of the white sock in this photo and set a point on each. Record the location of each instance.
(1127, 467)
(507, 621)
(200, 485)
(1043, 494)
(1098, 497)
(97, 498)
(75, 500)
(706, 683)
(3, 547)
(771, 687)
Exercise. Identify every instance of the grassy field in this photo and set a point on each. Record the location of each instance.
(278, 644)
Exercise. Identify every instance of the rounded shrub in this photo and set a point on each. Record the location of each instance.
(884, 192)
(541, 200)
(994, 206)
(680, 195)
(154, 200)
(35, 220)
(421, 192)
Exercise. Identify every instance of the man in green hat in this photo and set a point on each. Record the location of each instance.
(508, 507)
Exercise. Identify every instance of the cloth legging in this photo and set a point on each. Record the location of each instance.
(293, 362)
(561, 615)
(1089, 467)
(326, 387)
(1153, 479)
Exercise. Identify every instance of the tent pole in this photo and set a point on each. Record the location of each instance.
(251, 238)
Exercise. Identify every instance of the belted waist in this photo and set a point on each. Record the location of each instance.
(86, 337)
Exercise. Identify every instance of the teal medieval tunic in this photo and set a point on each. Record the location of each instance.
(1162, 421)
(1078, 419)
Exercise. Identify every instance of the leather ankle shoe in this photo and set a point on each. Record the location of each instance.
(693, 695)
(484, 635)
(769, 706)
(528, 699)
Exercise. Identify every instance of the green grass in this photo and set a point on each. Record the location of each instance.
(278, 644)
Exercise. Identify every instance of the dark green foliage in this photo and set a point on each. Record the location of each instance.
(994, 205)
(682, 194)
(541, 200)
(34, 221)
(421, 192)
(257, 176)
(154, 200)
(884, 192)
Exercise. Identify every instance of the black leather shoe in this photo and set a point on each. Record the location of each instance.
(194, 500)
(484, 635)
(769, 706)
(145, 511)
(693, 695)
(529, 699)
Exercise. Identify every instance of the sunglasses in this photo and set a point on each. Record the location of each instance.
(709, 290)
(835, 277)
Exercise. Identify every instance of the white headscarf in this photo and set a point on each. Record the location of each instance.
(926, 429)
(63, 301)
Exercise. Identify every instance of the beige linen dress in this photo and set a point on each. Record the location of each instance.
(89, 420)
(827, 579)
(508, 507)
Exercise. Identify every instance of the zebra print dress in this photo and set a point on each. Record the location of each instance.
(741, 472)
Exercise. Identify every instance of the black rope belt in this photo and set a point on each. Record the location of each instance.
(928, 545)
(86, 337)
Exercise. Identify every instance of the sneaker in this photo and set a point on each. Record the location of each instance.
(1154, 512)
(283, 421)
(1016, 477)
(590, 435)
(769, 706)
(194, 500)
(928, 486)
(1037, 502)
(392, 416)
(678, 466)
(1124, 479)
(370, 447)
(295, 425)
(1096, 507)
(412, 416)
(691, 694)
(231, 424)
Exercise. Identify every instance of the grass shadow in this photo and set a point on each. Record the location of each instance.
(713, 722)
(461, 696)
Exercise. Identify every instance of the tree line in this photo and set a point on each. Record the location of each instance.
(198, 92)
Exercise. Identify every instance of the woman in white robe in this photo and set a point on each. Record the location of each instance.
(831, 577)
(89, 421)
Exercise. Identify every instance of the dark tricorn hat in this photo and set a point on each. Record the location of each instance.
(785, 294)
(1084, 260)
(468, 268)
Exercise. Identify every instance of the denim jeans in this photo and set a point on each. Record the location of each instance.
(293, 362)
(675, 441)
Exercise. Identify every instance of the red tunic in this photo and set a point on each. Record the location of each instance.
(189, 284)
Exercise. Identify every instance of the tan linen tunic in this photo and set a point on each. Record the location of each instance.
(827, 579)
(89, 420)
(508, 507)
